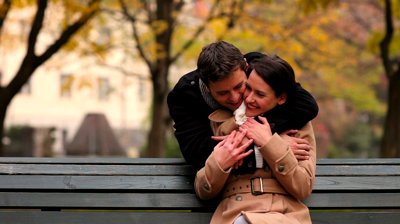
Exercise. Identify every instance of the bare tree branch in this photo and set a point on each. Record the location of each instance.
(177, 8)
(199, 30)
(132, 19)
(125, 72)
(385, 43)
(31, 61)
(93, 8)
(36, 26)
(150, 14)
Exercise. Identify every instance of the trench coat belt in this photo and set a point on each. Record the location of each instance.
(255, 186)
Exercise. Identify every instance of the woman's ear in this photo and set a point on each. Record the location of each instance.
(282, 99)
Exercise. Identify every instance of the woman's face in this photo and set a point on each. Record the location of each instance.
(259, 97)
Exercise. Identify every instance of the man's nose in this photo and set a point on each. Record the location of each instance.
(235, 96)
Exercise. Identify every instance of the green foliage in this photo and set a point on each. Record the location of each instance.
(326, 64)
(396, 8)
(16, 131)
(20, 141)
(377, 36)
(172, 148)
(358, 141)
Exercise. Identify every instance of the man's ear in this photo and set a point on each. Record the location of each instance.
(282, 99)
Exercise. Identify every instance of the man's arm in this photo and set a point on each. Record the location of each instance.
(192, 127)
(296, 113)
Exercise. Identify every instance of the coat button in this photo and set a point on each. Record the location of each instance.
(192, 82)
(238, 198)
(281, 168)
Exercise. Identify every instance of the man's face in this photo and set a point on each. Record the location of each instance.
(228, 92)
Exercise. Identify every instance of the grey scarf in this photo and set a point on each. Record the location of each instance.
(205, 92)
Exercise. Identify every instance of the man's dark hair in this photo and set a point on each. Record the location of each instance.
(218, 60)
(277, 73)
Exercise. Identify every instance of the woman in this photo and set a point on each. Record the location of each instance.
(273, 192)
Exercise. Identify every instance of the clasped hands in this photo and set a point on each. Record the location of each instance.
(231, 150)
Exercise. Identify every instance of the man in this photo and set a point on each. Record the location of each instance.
(219, 82)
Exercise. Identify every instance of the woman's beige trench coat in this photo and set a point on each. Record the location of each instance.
(272, 194)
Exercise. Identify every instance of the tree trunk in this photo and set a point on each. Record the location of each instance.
(390, 145)
(157, 134)
(159, 73)
(3, 110)
(26, 70)
(160, 116)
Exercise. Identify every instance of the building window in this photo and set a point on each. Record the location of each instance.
(104, 37)
(104, 89)
(66, 85)
(141, 90)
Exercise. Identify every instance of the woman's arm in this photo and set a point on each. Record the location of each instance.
(297, 177)
(211, 179)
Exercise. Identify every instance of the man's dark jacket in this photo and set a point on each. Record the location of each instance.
(192, 126)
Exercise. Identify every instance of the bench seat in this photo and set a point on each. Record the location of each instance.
(160, 190)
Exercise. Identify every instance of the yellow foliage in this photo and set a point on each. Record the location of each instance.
(159, 26)
(318, 34)
(218, 26)
(161, 52)
(22, 3)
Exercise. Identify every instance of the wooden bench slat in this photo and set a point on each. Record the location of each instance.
(73, 169)
(331, 200)
(364, 183)
(143, 161)
(359, 161)
(57, 182)
(176, 169)
(124, 201)
(355, 217)
(91, 160)
(27, 217)
(104, 217)
(179, 200)
(184, 183)
(358, 170)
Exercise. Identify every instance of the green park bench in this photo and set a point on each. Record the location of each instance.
(126, 191)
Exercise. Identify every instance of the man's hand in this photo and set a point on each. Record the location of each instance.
(230, 151)
(300, 147)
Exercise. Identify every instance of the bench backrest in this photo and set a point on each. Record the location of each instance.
(144, 190)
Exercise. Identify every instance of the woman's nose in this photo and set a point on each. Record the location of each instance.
(249, 98)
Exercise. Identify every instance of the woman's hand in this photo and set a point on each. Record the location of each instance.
(230, 152)
(259, 132)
